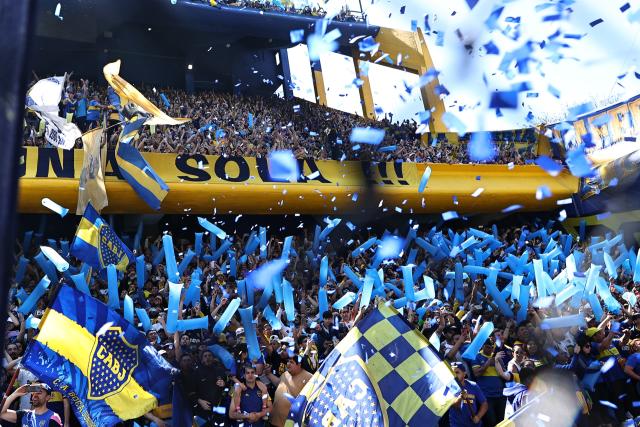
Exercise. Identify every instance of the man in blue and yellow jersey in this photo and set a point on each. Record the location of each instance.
(490, 382)
(251, 403)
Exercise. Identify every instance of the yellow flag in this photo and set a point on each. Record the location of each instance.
(128, 93)
(91, 188)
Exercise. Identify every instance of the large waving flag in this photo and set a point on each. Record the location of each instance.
(43, 99)
(91, 188)
(382, 373)
(96, 244)
(135, 169)
(99, 361)
(128, 93)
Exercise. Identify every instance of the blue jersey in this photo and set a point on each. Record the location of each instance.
(616, 372)
(634, 362)
(490, 382)
(81, 107)
(28, 418)
(251, 401)
(93, 113)
(461, 417)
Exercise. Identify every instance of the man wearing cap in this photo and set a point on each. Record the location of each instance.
(291, 382)
(39, 415)
(471, 405)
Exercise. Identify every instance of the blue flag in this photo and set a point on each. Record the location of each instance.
(96, 243)
(135, 169)
(382, 373)
(101, 363)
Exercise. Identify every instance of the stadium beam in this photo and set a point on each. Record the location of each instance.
(412, 48)
(366, 96)
(318, 83)
(285, 68)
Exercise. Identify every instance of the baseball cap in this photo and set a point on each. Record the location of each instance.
(591, 332)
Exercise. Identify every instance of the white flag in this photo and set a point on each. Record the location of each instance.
(46, 92)
(43, 98)
(58, 132)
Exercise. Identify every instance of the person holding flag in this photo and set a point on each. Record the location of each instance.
(471, 405)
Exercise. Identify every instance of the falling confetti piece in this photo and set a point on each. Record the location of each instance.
(478, 192)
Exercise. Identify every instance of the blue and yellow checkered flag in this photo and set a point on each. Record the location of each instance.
(383, 373)
(96, 244)
(99, 361)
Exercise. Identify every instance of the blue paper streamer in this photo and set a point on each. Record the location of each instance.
(22, 268)
(498, 299)
(289, 307)
(459, 290)
(29, 304)
(594, 302)
(345, 300)
(246, 314)
(192, 294)
(367, 288)
(193, 324)
(185, 261)
(112, 282)
(323, 302)
(170, 259)
(224, 319)
(262, 235)
(363, 247)
(47, 267)
(523, 300)
(563, 322)
(566, 293)
(355, 279)
(407, 280)
(478, 341)
(81, 283)
(286, 248)
(324, 266)
(140, 271)
(266, 296)
(212, 228)
(144, 318)
(275, 323)
(26, 242)
(252, 243)
(636, 268)
(276, 282)
(128, 309)
(158, 257)
(226, 244)
(32, 322)
(175, 290)
(233, 269)
(198, 244)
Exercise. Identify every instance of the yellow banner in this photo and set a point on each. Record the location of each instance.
(55, 163)
(213, 184)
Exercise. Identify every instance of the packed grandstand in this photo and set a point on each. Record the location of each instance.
(509, 317)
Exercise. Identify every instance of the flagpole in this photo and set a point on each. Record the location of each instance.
(10, 386)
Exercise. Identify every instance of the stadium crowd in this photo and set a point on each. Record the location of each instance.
(230, 125)
(223, 385)
(345, 15)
